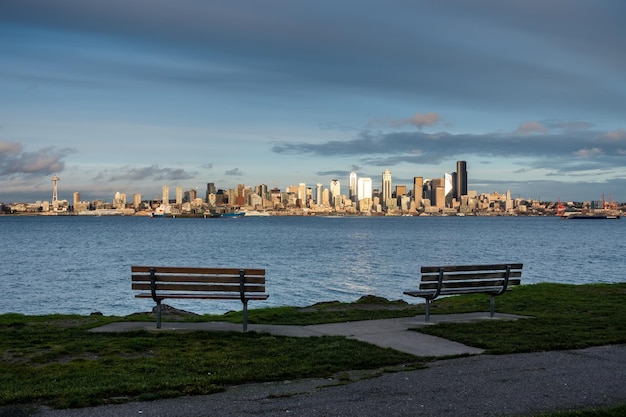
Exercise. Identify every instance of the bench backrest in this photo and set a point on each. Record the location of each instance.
(205, 280)
(469, 277)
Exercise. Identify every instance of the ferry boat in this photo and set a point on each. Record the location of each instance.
(607, 212)
(233, 214)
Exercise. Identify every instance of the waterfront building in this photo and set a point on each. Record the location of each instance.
(119, 201)
(386, 188)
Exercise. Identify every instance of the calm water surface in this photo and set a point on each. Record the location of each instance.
(82, 264)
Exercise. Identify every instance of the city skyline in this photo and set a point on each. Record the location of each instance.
(112, 97)
(453, 188)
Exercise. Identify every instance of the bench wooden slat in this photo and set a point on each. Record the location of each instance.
(200, 296)
(470, 276)
(453, 268)
(200, 270)
(468, 284)
(198, 278)
(198, 287)
(452, 291)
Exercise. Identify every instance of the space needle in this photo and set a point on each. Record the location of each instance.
(55, 194)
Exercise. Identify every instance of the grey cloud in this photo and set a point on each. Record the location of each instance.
(560, 151)
(152, 172)
(14, 161)
(235, 172)
(334, 174)
(419, 120)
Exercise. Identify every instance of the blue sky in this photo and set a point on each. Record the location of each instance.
(130, 95)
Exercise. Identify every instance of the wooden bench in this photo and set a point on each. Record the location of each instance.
(466, 279)
(163, 282)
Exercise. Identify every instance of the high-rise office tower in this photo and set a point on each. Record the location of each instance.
(302, 194)
(165, 198)
(210, 189)
(461, 179)
(179, 195)
(364, 193)
(448, 188)
(335, 190)
(386, 187)
(136, 200)
(353, 186)
(418, 189)
(318, 194)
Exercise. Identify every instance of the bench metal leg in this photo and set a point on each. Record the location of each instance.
(492, 305)
(245, 314)
(158, 314)
(427, 313)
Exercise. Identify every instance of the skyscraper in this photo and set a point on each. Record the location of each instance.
(418, 189)
(318, 194)
(461, 179)
(210, 189)
(448, 189)
(335, 191)
(364, 193)
(353, 187)
(165, 198)
(386, 187)
(179, 195)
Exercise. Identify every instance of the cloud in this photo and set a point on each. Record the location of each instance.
(616, 134)
(588, 153)
(531, 127)
(235, 172)
(15, 162)
(557, 151)
(419, 119)
(152, 172)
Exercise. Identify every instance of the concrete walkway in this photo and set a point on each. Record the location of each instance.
(389, 333)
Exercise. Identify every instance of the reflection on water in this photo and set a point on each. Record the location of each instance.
(82, 264)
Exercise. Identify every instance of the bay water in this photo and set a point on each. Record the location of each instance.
(80, 265)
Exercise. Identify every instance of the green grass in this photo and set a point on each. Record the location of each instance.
(563, 317)
(55, 360)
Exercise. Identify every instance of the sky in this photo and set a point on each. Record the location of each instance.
(130, 95)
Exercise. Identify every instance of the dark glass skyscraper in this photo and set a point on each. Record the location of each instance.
(461, 179)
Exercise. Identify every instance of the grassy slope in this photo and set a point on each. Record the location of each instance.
(55, 360)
